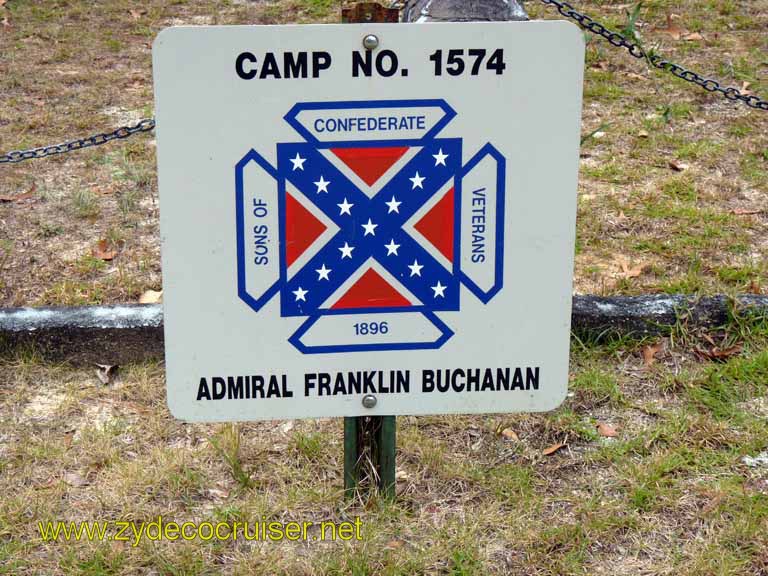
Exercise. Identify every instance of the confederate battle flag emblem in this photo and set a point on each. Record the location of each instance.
(375, 227)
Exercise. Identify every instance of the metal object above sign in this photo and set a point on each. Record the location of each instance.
(369, 12)
(372, 233)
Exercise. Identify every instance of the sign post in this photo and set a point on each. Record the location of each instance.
(369, 453)
(374, 436)
(353, 224)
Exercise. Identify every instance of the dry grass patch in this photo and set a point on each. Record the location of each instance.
(672, 198)
(74, 68)
(667, 490)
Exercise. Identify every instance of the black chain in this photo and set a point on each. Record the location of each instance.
(144, 125)
(636, 50)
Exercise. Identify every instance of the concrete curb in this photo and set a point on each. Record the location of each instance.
(652, 315)
(85, 335)
(134, 333)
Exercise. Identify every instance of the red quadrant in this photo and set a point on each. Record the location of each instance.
(301, 229)
(371, 291)
(437, 225)
(370, 163)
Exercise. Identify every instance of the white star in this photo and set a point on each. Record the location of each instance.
(298, 162)
(417, 181)
(439, 290)
(440, 158)
(346, 251)
(394, 205)
(301, 294)
(323, 272)
(392, 248)
(322, 185)
(370, 228)
(345, 207)
(416, 268)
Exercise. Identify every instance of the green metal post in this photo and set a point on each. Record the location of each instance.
(387, 444)
(351, 453)
(369, 439)
(369, 454)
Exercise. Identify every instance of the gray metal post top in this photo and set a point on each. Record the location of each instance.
(463, 10)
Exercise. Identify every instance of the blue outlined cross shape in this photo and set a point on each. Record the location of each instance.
(369, 227)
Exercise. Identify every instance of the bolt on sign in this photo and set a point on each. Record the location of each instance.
(367, 210)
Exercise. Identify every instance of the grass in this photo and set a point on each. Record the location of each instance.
(470, 500)
(595, 386)
(309, 446)
(669, 494)
(85, 204)
(634, 205)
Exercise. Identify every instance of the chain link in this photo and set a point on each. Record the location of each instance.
(636, 50)
(145, 125)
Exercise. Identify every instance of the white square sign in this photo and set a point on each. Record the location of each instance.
(340, 222)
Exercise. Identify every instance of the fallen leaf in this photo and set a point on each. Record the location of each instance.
(634, 272)
(218, 494)
(102, 251)
(554, 448)
(151, 297)
(649, 353)
(672, 29)
(728, 352)
(637, 76)
(643, 134)
(627, 272)
(28, 194)
(714, 502)
(720, 353)
(745, 212)
(678, 166)
(48, 483)
(6, 198)
(754, 287)
(606, 431)
(105, 373)
(709, 339)
(136, 14)
(745, 88)
(510, 434)
(394, 544)
(693, 36)
(103, 189)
